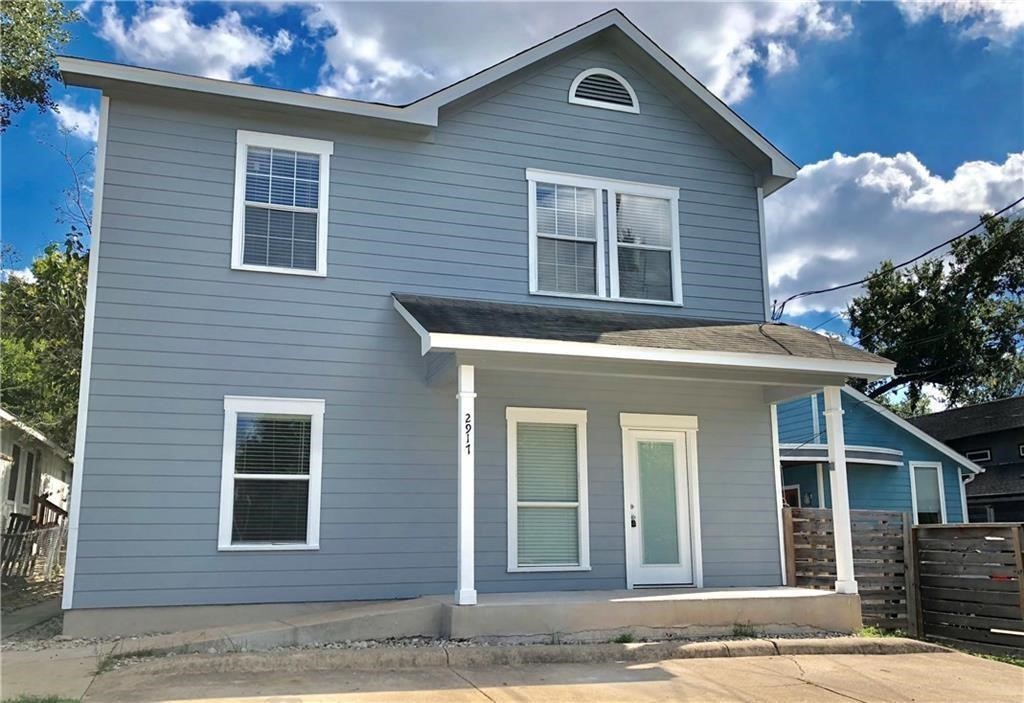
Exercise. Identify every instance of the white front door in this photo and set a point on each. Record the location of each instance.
(659, 538)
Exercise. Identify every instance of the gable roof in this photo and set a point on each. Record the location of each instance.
(911, 429)
(983, 418)
(773, 167)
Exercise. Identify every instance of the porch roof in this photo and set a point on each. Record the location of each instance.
(451, 324)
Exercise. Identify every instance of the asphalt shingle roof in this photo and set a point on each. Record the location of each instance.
(998, 480)
(474, 317)
(995, 416)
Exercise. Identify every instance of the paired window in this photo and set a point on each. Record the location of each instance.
(568, 218)
(927, 496)
(14, 474)
(979, 455)
(601, 87)
(548, 526)
(270, 483)
(281, 199)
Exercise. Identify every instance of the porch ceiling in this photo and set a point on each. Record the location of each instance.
(450, 324)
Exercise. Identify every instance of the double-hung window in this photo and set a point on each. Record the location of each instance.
(281, 198)
(548, 526)
(270, 482)
(568, 218)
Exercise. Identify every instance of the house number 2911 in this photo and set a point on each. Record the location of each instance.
(469, 430)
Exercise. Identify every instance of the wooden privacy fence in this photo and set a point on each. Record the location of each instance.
(970, 584)
(880, 542)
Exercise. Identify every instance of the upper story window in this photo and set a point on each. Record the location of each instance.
(601, 87)
(281, 197)
(569, 216)
(979, 455)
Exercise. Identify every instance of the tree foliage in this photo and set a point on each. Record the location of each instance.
(31, 34)
(955, 321)
(41, 339)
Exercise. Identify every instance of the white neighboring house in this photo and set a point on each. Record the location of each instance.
(30, 465)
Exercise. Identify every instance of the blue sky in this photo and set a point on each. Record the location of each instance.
(908, 119)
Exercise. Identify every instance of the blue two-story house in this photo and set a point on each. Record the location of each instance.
(510, 337)
(892, 465)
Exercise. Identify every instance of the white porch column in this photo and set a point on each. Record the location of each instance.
(465, 590)
(845, 581)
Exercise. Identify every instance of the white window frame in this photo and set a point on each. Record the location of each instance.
(513, 416)
(1020, 449)
(606, 189)
(634, 108)
(914, 465)
(314, 409)
(325, 149)
(973, 455)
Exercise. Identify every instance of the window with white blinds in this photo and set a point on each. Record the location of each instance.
(281, 194)
(568, 218)
(270, 487)
(548, 525)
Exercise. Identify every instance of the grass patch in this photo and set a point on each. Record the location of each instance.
(873, 631)
(624, 638)
(1004, 658)
(743, 630)
(40, 699)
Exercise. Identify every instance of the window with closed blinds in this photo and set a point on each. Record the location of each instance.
(643, 240)
(281, 204)
(547, 519)
(271, 486)
(566, 223)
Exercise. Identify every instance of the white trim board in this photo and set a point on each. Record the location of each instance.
(920, 434)
(77, 472)
(99, 74)
(513, 416)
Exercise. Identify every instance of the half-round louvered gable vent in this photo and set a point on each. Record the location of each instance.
(599, 87)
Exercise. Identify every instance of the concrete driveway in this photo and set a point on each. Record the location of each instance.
(945, 677)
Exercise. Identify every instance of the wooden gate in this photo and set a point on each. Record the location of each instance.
(971, 590)
(880, 544)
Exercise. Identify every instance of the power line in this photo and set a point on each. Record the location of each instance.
(780, 309)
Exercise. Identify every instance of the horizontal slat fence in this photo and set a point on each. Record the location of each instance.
(880, 541)
(970, 585)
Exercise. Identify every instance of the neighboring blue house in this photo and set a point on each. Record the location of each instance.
(892, 465)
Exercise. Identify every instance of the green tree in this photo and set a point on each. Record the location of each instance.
(955, 321)
(41, 339)
(31, 34)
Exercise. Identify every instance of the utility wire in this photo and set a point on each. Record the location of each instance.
(780, 308)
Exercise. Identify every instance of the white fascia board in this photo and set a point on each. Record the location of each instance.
(33, 433)
(920, 434)
(88, 72)
(771, 362)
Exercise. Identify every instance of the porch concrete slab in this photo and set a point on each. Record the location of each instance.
(647, 612)
(62, 672)
(948, 677)
(23, 618)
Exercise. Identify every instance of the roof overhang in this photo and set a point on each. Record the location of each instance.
(448, 342)
(33, 433)
(774, 168)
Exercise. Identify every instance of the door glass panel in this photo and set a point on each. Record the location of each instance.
(929, 505)
(658, 523)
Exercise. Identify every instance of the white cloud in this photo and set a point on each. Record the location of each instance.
(997, 20)
(165, 35)
(398, 52)
(845, 214)
(84, 124)
(24, 274)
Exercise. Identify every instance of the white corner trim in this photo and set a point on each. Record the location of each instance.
(963, 481)
(779, 488)
(644, 421)
(634, 108)
(325, 149)
(920, 434)
(314, 409)
(82, 422)
(914, 466)
(452, 342)
(513, 416)
(763, 237)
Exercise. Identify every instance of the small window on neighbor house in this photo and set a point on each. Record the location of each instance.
(281, 192)
(270, 487)
(1020, 449)
(547, 521)
(14, 474)
(600, 87)
(979, 455)
(30, 478)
